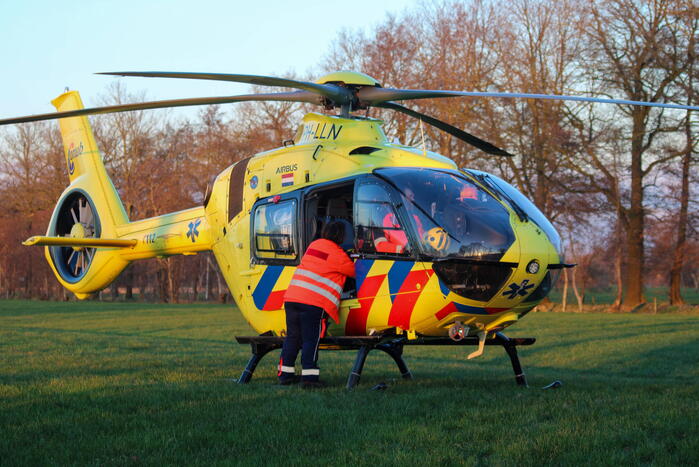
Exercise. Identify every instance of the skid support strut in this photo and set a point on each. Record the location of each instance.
(393, 346)
(511, 350)
(259, 350)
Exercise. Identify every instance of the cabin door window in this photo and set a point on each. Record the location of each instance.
(330, 204)
(274, 227)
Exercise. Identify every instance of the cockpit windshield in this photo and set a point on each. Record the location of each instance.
(521, 204)
(449, 215)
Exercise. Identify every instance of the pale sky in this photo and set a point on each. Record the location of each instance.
(50, 45)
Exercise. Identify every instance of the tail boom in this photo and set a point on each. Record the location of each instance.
(179, 233)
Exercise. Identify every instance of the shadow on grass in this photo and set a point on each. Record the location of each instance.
(212, 421)
(17, 308)
(115, 335)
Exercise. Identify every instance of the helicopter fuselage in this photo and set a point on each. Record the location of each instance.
(263, 212)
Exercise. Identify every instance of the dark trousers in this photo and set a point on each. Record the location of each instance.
(305, 325)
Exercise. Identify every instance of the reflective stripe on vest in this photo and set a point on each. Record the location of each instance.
(319, 278)
(314, 288)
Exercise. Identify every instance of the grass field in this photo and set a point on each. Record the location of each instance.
(124, 384)
(607, 296)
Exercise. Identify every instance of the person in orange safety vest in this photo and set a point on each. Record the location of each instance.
(313, 294)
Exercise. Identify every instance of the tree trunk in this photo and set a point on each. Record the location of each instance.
(633, 295)
(564, 297)
(171, 285)
(618, 278)
(163, 281)
(197, 280)
(206, 285)
(678, 260)
(576, 292)
(219, 287)
(115, 289)
(129, 283)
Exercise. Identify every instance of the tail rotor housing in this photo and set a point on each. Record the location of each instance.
(74, 217)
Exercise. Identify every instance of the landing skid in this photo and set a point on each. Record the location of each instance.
(393, 346)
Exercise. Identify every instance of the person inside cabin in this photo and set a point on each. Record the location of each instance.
(455, 220)
(396, 238)
(393, 239)
(313, 294)
(468, 192)
(390, 237)
(414, 211)
(337, 210)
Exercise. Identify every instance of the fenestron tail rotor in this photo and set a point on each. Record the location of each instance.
(76, 220)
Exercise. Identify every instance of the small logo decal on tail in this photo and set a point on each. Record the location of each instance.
(73, 153)
(193, 233)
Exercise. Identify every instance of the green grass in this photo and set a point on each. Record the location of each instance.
(608, 295)
(124, 384)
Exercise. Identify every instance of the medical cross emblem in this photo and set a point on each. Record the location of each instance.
(193, 233)
(518, 289)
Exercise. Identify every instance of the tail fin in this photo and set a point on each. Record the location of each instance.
(90, 208)
(83, 159)
(82, 155)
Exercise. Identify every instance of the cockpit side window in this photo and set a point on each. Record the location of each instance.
(274, 227)
(378, 227)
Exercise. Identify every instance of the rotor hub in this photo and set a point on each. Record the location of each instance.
(349, 78)
(77, 231)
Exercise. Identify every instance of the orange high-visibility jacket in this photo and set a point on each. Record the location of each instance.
(320, 277)
(395, 241)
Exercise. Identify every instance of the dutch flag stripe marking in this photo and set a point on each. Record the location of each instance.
(288, 179)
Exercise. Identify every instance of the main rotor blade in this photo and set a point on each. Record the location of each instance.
(452, 130)
(337, 94)
(296, 96)
(375, 96)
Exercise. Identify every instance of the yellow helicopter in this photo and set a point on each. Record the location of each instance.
(439, 250)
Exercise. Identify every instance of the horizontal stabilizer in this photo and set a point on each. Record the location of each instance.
(79, 242)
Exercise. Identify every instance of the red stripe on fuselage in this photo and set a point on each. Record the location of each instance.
(447, 310)
(404, 301)
(357, 317)
(275, 301)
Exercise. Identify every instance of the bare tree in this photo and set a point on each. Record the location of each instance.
(636, 51)
(686, 15)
